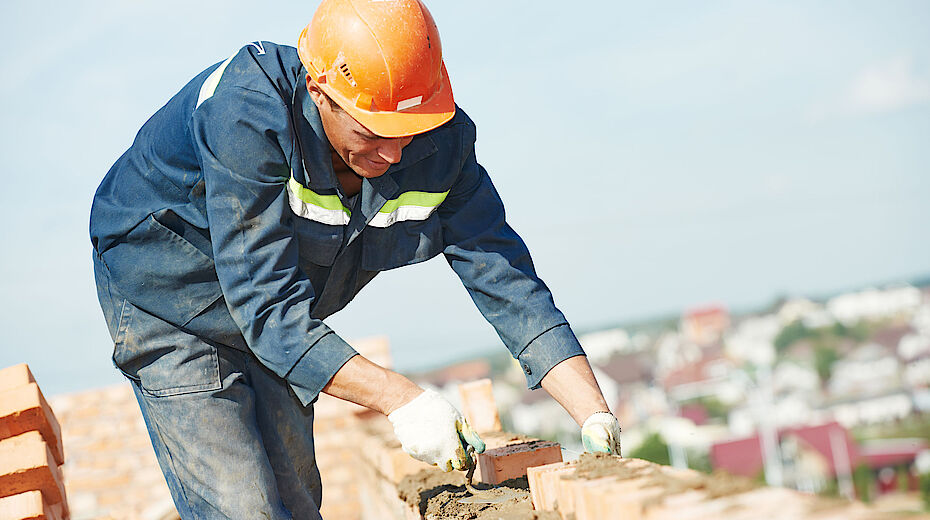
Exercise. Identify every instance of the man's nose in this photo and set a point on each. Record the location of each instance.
(392, 149)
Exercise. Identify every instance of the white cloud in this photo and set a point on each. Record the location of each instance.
(887, 86)
(881, 87)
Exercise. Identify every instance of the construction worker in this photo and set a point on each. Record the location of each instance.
(259, 201)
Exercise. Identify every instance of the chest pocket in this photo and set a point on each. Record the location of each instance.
(319, 221)
(401, 243)
(318, 243)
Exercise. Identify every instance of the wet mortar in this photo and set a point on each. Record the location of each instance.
(436, 495)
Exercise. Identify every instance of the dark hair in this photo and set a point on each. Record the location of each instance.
(335, 105)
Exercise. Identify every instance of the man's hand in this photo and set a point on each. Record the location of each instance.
(600, 433)
(431, 430)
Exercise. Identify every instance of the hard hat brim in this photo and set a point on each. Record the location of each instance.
(403, 123)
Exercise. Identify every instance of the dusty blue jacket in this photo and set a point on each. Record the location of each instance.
(225, 218)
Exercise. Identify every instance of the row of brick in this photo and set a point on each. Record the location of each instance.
(599, 487)
(31, 451)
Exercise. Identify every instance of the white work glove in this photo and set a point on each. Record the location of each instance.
(600, 433)
(430, 429)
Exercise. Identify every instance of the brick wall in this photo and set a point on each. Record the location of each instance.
(31, 451)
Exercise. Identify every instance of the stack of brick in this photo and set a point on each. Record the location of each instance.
(111, 471)
(336, 424)
(603, 486)
(31, 451)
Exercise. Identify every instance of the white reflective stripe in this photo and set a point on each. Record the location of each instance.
(332, 217)
(383, 220)
(409, 103)
(209, 84)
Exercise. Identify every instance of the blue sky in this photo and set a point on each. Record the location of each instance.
(653, 155)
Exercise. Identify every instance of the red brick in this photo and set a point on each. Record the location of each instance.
(30, 505)
(27, 464)
(24, 409)
(499, 464)
(479, 406)
(16, 375)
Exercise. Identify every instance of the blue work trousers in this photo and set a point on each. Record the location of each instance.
(231, 438)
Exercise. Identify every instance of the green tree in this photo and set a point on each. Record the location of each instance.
(863, 482)
(654, 449)
(925, 490)
(824, 357)
(790, 334)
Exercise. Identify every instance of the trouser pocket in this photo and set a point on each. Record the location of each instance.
(161, 358)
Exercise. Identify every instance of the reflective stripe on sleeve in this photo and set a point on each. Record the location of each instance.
(306, 203)
(411, 205)
(209, 84)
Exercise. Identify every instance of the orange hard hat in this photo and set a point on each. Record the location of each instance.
(381, 61)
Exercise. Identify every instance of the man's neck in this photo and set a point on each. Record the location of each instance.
(350, 181)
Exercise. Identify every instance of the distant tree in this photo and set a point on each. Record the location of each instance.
(925, 490)
(824, 357)
(790, 334)
(863, 482)
(700, 461)
(654, 449)
(858, 332)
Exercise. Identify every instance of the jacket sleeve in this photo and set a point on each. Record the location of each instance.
(242, 137)
(495, 266)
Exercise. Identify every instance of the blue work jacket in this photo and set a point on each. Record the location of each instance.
(225, 219)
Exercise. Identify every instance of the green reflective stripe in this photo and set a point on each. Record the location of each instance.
(209, 84)
(423, 199)
(325, 209)
(330, 202)
(411, 205)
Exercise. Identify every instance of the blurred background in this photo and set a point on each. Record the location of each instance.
(743, 253)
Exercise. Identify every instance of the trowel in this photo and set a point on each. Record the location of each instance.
(489, 496)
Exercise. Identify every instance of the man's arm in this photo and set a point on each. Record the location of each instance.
(372, 386)
(429, 427)
(572, 384)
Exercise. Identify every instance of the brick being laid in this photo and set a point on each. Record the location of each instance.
(30, 505)
(24, 408)
(27, 464)
(496, 465)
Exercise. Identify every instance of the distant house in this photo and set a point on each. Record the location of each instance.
(874, 304)
(877, 408)
(810, 455)
(705, 325)
(870, 369)
(753, 340)
(601, 345)
(890, 457)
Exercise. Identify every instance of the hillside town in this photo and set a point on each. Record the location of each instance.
(829, 397)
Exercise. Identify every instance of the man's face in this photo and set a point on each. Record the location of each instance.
(367, 154)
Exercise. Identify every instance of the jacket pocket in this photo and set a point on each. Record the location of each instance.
(161, 272)
(318, 243)
(161, 358)
(401, 243)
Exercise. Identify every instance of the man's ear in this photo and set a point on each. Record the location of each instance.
(315, 92)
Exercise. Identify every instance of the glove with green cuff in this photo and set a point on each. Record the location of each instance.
(600, 433)
(431, 430)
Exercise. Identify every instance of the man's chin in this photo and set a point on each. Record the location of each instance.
(371, 173)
